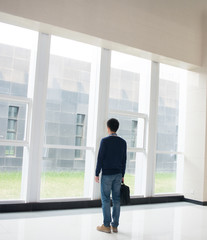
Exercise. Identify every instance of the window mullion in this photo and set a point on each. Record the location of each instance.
(152, 129)
(98, 125)
(32, 167)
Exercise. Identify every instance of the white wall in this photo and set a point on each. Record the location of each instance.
(195, 137)
(195, 167)
(203, 76)
(164, 27)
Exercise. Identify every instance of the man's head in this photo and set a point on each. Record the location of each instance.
(112, 125)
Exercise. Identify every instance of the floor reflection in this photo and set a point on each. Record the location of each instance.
(173, 221)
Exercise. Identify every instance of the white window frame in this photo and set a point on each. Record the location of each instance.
(18, 143)
(90, 143)
(28, 103)
(140, 176)
(139, 162)
(155, 81)
(96, 129)
(138, 116)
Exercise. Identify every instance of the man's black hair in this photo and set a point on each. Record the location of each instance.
(113, 124)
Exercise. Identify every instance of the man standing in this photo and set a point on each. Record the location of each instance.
(112, 162)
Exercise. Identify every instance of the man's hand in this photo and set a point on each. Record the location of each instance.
(97, 179)
(122, 180)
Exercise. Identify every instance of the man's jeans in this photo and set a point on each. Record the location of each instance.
(108, 183)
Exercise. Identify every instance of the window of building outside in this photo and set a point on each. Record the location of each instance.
(79, 134)
(63, 167)
(169, 125)
(129, 95)
(12, 129)
(17, 47)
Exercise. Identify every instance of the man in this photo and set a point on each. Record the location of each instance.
(112, 162)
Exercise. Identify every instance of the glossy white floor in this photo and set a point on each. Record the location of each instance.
(173, 221)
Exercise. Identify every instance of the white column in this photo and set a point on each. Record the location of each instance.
(30, 92)
(31, 189)
(140, 169)
(152, 129)
(101, 110)
(181, 131)
(91, 129)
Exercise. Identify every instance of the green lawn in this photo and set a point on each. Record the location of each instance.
(10, 185)
(62, 184)
(71, 184)
(165, 182)
(129, 180)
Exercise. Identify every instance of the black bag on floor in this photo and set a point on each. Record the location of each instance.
(124, 194)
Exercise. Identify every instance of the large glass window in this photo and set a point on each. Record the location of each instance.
(63, 174)
(165, 175)
(17, 56)
(66, 117)
(17, 46)
(13, 129)
(129, 177)
(10, 172)
(13, 120)
(129, 83)
(67, 153)
(132, 129)
(128, 102)
(169, 126)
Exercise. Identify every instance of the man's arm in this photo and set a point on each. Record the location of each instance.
(124, 161)
(100, 160)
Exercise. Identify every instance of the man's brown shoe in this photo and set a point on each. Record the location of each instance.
(102, 228)
(114, 229)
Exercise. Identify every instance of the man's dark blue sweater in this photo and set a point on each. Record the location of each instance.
(112, 156)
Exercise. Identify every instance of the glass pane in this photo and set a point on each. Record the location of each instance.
(10, 151)
(168, 107)
(135, 173)
(12, 125)
(63, 174)
(10, 172)
(79, 130)
(13, 112)
(129, 178)
(78, 141)
(17, 46)
(128, 82)
(11, 136)
(13, 129)
(165, 175)
(128, 129)
(80, 118)
(68, 91)
(78, 153)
